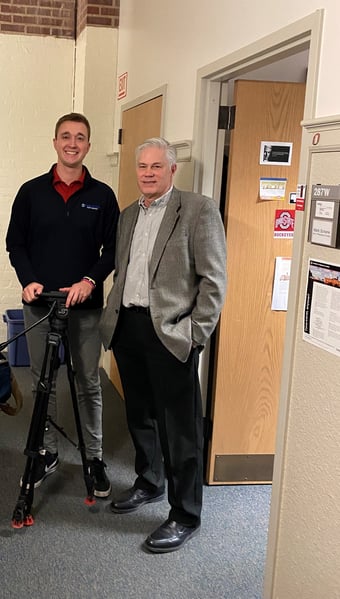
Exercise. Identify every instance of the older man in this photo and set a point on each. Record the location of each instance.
(168, 291)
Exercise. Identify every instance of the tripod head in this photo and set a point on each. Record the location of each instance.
(58, 312)
(56, 301)
(57, 315)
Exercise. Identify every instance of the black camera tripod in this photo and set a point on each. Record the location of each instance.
(57, 315)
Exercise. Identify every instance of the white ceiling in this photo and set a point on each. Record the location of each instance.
(293, 68)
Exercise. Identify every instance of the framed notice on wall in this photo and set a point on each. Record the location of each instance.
(276, 152)
(322, 306)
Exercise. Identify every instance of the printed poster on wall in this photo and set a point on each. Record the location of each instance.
(272, 188)
(281, 283)
(322, 306)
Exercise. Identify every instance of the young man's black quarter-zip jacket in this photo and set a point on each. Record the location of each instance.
(57, 243)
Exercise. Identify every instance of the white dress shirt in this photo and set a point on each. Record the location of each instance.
(136, 289)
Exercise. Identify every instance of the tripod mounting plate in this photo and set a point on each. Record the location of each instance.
(56, 300)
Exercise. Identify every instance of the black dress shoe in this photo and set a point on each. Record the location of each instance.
(170, 536)
(132, 499)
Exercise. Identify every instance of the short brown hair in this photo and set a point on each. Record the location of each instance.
(75, 117)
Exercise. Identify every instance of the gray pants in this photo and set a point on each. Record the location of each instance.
(85, 348)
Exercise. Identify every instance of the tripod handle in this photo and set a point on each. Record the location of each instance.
(56, 301)
(54, 295)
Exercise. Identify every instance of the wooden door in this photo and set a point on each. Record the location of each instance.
(138, 123)
(250, 336)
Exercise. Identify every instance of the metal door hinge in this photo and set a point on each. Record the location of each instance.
(226, 117)
(120, 136)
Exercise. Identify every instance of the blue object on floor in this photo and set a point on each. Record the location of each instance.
(17, 350)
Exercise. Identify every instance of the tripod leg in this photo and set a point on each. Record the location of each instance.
(89, 482)
(22, 513)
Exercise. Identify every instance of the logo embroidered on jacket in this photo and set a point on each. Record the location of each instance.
(90, 206)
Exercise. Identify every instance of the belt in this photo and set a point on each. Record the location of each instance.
(140, 309)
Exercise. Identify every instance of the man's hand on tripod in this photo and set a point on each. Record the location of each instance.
(78, 293)
(32, 291)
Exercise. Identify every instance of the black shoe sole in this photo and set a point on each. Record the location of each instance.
(117, 510)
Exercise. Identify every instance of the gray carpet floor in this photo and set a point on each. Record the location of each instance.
(78, 552)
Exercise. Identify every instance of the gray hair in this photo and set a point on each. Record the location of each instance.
(163, 144)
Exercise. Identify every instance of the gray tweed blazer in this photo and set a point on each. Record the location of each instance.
(187, 272)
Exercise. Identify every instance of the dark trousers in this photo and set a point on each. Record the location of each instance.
(164, 414)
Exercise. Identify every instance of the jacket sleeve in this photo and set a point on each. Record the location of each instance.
(17, 238)
(210, 263)
(105, 265)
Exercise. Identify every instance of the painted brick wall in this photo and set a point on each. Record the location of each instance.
(33, 96)
(64, 19)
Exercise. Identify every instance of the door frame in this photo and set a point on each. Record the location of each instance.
(303, 34)
(115, 155)
(159, 91)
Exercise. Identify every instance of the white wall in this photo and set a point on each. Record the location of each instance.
(166, 43)
(36, 88)
(41, 79)
(95, 92)
(306, 551)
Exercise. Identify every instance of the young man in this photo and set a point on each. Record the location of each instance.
(61, 237)
(169, 288)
